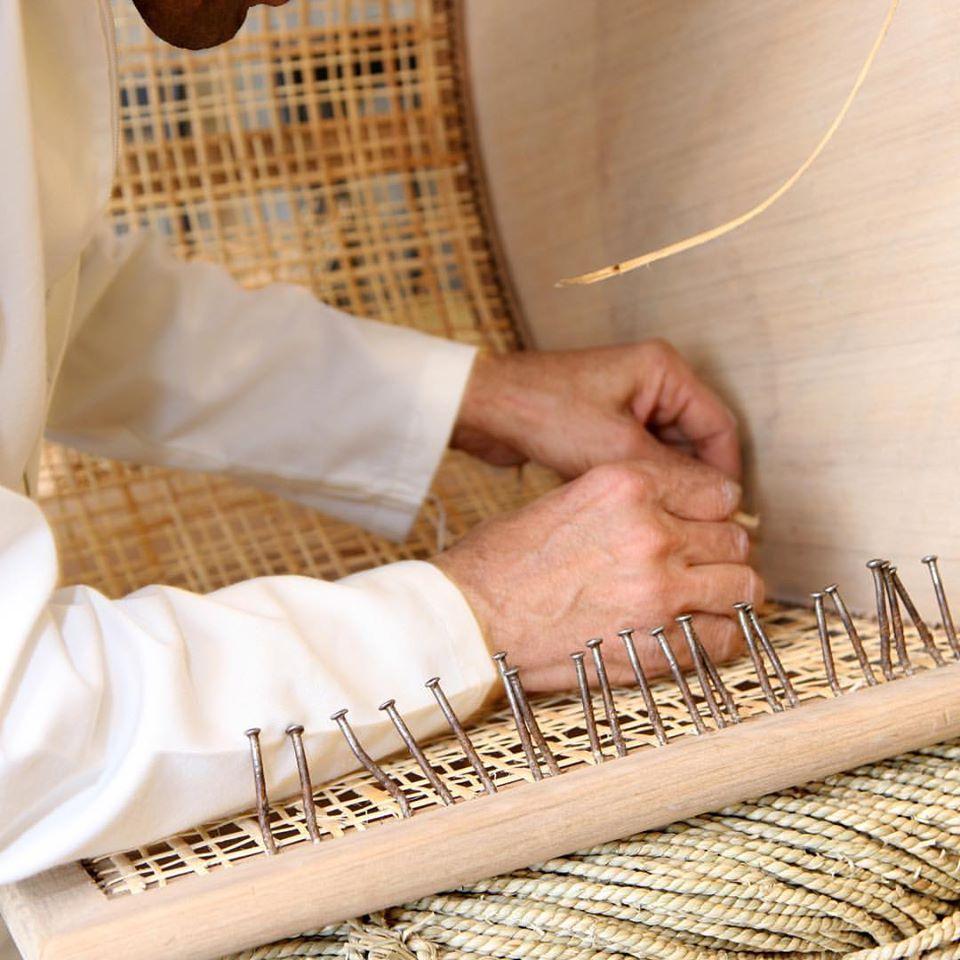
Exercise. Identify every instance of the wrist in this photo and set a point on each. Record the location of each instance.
(479, 394)
(456, 569)
(500, 399)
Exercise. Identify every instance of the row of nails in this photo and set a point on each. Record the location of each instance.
(295, 732)
(890, 593)
(717, 697)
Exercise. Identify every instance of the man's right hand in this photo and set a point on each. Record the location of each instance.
(630, 544)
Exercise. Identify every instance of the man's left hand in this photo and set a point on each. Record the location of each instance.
(577, 409)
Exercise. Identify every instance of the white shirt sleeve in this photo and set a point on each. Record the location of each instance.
(174, 363)
(123, 721)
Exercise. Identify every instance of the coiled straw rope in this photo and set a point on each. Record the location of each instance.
(863, 865)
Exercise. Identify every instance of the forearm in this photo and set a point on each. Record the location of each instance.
(176, 364)
(124, 720)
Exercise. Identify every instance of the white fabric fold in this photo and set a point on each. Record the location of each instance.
(176, 364)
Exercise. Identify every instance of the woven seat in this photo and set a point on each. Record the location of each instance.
(330, 145)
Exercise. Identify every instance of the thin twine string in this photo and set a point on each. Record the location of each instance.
(680, 246)
(439, 521)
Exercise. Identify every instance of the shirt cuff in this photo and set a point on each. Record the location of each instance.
(445, 370)
(397, 483)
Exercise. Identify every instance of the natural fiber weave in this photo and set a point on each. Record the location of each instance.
(329, 146)
(861, 865)
(357, 802)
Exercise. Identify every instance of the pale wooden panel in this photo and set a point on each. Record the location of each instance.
(833, 323)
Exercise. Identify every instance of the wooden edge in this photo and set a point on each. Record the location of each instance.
(35, 908)
(61, 915)
(480, 181)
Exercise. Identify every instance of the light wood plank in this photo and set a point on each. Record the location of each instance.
(832, 323)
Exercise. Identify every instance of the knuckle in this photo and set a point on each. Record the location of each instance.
(659, 588)
(661, 349)
(622, 479)
(655, 538)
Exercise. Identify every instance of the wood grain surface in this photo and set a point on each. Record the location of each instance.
(832, 323)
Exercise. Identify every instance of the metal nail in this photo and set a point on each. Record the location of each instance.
(772, 656)
(653, 712)
(660, 635)
(851, 629)
(389, 707)
(295, 732)
(728, 702)
(945, 616)
(522, 732)
(609, 706)
(896, 620)
(825, 650)
(758, 665)
(586, 702)
(686, 625)
(466, 745)
(875, 566)
(531, 721)
(369, 764)
(260, 783)
(919, 624)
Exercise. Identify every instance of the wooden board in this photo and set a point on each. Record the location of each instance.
(832, 324)
(62, 915)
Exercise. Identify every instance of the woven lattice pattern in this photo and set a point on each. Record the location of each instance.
(121, 526)
(357, 802)
(328, 146)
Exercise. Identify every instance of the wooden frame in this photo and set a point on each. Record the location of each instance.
(63, 915)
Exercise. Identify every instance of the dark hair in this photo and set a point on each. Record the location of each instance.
(193, 24)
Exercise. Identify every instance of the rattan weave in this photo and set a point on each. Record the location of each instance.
(327, 145)
(857, 862)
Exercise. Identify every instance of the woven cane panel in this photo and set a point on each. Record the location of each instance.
(357, 802)
(327, 145)
(121, 526)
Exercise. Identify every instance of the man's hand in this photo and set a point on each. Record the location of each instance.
(577, 409)
(625, 545)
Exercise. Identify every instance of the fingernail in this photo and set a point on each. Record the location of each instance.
(732, 492)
